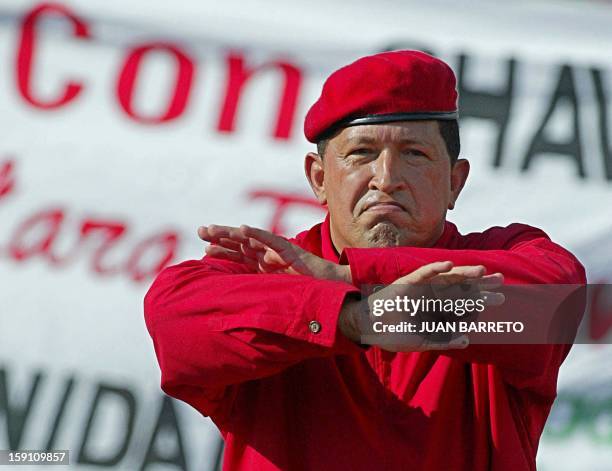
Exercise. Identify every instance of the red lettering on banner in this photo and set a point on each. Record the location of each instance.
(160, 248)
(7, 180)
(112, 232)
(27, 48)
(239, 74)
(283, 202)
(182, 86)
(35, 235)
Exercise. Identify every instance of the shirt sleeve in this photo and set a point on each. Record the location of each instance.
(214, 325)
(524, 255)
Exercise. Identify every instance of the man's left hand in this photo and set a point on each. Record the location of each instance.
(268, 253)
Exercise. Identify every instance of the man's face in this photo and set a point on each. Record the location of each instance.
(387, 184)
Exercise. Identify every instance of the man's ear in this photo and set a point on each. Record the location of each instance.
(315, 173)
(459, 174)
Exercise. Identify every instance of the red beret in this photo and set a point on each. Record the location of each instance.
(385, 87)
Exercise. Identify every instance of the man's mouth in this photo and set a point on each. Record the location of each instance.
(384, 206)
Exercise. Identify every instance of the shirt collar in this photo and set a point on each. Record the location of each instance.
(327, 246)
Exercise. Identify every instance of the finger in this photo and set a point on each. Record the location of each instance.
(487, 281)
(270, 257)
(213, 233)
(491, 298)
(474, 285)
(256, 245)
(469, 271)
(216, 251)
(253, 247)
(266, 268)
(249, 252)
(449, 280)
(235, 246)
(229, 244)
(221, 253)
(426, 272)
(203, 232)
(493, 281)
(462, 275)
(229, 232)
(460, 342)
(455, 344)
(270, 261)
(466, 289)
(267, 238)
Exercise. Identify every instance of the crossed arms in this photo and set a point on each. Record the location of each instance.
(246, 310)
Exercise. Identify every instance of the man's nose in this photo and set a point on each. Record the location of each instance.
(386, 172)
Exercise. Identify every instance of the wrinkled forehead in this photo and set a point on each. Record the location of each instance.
(424, 132)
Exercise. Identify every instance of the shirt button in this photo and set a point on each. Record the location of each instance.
(314, 327)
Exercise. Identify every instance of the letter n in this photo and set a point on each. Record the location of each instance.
(239, 75)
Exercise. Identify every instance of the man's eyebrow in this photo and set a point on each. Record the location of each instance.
(371, 140)
(361, 140)
(411, 140)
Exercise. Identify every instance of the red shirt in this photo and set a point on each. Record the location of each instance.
(237, 347)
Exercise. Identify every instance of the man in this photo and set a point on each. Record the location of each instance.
(263, 334)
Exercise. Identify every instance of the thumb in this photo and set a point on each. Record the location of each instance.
(271, 257)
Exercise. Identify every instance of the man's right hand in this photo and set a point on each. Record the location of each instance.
(440, 279)
(265, 252)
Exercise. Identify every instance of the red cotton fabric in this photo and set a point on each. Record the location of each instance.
(388, 83)
(237, 347)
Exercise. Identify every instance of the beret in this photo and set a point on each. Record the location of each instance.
(381, 88)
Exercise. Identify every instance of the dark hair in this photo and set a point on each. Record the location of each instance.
(449, 130)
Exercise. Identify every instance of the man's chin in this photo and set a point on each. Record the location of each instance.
(383, 234)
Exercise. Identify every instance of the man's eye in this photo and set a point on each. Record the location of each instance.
(362, 151)
(415, 152)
